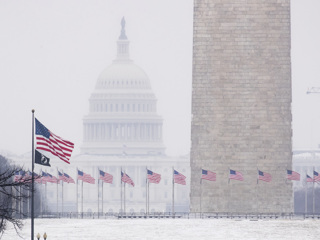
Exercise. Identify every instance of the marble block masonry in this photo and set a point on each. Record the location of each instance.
(241, 105)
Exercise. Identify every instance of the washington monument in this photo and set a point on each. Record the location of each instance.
(241, 105)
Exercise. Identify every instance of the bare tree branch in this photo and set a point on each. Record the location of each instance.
(12, 191)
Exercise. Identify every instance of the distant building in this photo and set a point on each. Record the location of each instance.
(123, 117)
(123, 131)
(306, 194)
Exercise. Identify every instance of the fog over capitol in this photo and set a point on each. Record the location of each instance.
(51, 54)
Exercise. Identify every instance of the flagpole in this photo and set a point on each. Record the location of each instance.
(146, 191)
(306, 198)
(28, 203)
(45, 203)
(121, 191)
(14, 192)
(98, 191)
(124, 198)
(228, 203)
(313, 193)
(82, 199)
(62, 196)
(201, 194)
(41, 199)
(172, 191)
(102, 197)
(20, 203)
(58, 193)
(257, 192)
(32, 182)
(148, 196)
(77, 193)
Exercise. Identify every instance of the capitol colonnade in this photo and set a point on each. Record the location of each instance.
(122, 131)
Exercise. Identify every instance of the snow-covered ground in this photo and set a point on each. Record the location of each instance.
(130, 229)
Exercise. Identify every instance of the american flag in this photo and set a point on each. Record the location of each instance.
(179, 178)
(68, 179)
(18, 176)
(208, 175)
(316, 176)
(153, 177)
(309, 179)
(235, 175)
(44, 178)
(51, 178)
(263, 176)
(27, 176)
(292, 175)
(37, 178)
(126, 179)
(40, 178)
(61, 177)
(105, 177)
(52, 143)
(85, 177)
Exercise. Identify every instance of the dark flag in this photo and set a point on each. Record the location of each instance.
(42, 159)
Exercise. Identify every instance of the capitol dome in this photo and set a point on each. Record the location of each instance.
(123, 75)
(122, 117)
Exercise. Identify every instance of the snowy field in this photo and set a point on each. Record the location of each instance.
(129, 229)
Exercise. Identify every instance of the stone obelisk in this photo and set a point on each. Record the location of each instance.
(241, 105)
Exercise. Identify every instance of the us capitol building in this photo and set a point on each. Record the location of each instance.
(123, 131)
(123, 115)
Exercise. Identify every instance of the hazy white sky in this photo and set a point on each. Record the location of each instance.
(305, 54)
(52, 52)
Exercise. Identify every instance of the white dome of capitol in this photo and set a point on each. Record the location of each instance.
(123, 74)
